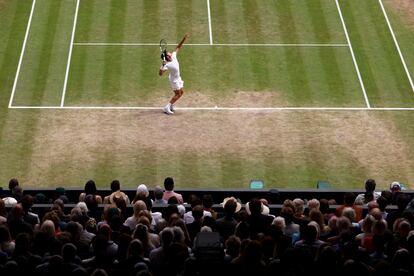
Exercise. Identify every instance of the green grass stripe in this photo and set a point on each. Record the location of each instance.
(43, 68)
(404, 31)
(112, 69)
(330, 61)
(86, 15)
(299, 91)
(44, 65)
(390, 56)
(257, 21)
(12, 29)
(378, 60)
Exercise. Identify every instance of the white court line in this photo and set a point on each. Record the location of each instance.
(22, 53)
(397, 46)
(219, 44)
(210, 31)
(70, 54)
(352, 54)
(220, 108)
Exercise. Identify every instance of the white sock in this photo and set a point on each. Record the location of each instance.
(168, 105)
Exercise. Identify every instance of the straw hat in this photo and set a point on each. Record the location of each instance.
(238, 205)
(265, 209)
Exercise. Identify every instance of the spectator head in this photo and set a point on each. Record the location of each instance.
(115, 185)
(69, 252)
(139, 206)
(91, 202)
(279, 223)
(4, 234)
(370, 185)
(48, 227)
(231, 206)
(382, 203)
(142, 191)
(40, 198)
(324, 205)
(166, 236)
(158, 193)
(314, 204)
(208, 201)
(90, 187)
(135, 248)
(402, 201)
(233, 246)
(170, 210)
(13, 183)
(82, 207)
(169, 184)
(349, 212)
(197, 212)
(395, 187)
(194, 200)
(388, 195)
(299, 206)
(311, 232)
(349, 198)
(287, 214)
(27, 202)
(255, 207)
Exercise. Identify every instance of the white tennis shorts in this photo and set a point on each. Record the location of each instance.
(177, 84)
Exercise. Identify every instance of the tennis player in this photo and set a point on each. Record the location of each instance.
(171, 64)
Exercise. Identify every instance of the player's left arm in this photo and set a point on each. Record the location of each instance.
(182, 42)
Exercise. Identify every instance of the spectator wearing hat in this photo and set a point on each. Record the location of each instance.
(258, 219)
(169, 191)
(227, 224)
(116, 194)
(395, 189)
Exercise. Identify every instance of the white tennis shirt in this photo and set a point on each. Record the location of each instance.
(173, 68)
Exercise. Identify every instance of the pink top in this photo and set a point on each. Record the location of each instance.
(168, 194)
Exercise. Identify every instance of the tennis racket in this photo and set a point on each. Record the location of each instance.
(163, 49)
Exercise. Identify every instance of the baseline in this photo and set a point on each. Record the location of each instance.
(216, 108)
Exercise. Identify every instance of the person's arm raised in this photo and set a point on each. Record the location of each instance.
(181, 42)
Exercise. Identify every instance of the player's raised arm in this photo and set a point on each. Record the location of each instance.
(181, 42)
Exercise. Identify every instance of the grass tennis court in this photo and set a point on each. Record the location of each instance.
(287, 91)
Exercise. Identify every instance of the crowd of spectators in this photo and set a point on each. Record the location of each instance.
(244, 238)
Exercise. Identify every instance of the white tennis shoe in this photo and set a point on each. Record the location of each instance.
(167, 110)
